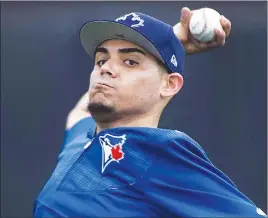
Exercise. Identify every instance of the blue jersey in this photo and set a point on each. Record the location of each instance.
(137, 172)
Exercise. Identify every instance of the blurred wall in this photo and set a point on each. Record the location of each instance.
(44, 70)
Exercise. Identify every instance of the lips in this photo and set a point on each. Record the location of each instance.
(104, 84)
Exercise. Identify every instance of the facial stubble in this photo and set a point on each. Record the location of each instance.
(102, 112)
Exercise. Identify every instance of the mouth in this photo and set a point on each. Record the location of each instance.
(103, 84)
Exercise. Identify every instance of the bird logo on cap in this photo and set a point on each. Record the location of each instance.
(135, 20)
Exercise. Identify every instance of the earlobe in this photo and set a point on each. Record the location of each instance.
(172, 84)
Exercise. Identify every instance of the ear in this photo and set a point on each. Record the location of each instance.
(172, 84)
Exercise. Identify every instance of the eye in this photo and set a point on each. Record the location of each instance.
(131, 63)
(101, 62)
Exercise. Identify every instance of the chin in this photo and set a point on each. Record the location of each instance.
(102, 112)
(99, 107)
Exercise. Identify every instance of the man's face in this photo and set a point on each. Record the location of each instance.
(125, 80)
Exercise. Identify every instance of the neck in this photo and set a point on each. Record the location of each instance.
(145, 120)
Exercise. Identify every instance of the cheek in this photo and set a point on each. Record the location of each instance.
(142, 89)
(92, 78)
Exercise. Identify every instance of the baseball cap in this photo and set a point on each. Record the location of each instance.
(155, 36)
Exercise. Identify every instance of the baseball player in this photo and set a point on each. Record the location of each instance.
(115, 162)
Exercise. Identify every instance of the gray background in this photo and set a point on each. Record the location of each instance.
(44, 70)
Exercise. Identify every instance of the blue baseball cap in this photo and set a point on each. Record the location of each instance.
(153, 35)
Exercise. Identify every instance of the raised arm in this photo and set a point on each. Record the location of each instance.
(79, 112)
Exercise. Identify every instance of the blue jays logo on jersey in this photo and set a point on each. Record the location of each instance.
(133, 19)
(111, 149)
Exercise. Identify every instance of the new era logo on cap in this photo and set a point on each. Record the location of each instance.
(174, 61)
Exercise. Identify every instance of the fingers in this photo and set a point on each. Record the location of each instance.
(226, 25)
(220, 37)
(219, 40)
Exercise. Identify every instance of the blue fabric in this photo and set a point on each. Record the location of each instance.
(84, 125)
(137, 172)
(161, 35)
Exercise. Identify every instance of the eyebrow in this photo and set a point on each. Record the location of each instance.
(101, 50)
(131, 50)
(121, 50)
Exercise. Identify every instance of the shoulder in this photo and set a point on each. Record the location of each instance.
(190, 144)
(183, 181)
(182, 154)
(177, 144)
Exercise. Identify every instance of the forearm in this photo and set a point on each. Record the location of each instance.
(79, 112)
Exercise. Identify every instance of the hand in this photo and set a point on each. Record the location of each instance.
(190, 44)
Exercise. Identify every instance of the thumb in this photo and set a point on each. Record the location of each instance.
(185, 17)
(184, 24)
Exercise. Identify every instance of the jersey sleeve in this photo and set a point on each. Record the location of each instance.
(83, 126)
(186, 184)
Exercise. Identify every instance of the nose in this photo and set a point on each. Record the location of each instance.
(108, 69)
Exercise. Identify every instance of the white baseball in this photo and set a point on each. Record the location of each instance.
(203, 24)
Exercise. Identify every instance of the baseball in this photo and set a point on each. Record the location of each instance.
(203, 24)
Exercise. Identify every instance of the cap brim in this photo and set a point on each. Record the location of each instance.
(93, 33)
